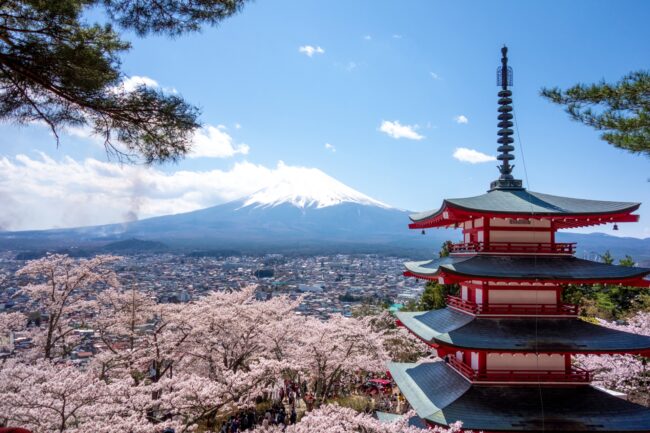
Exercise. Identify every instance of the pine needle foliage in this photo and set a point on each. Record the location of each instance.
(620, 110)
(58, 69)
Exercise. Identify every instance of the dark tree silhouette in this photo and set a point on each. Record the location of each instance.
(58, 69)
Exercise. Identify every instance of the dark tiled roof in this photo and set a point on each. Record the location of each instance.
(433, 323)
(428, 386)
(527, 202)
(451, 327)
(513, 267)
(414, 421)
(522, 408)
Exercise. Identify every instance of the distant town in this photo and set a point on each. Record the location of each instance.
(330, 284)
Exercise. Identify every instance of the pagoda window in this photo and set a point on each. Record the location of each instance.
(464, 293)
(528, 236)
(479, 296)
(523, 296)
(478, 222)
(520, 361)
(520, 222)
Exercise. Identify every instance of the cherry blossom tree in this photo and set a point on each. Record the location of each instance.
(624, 373)
(232, 354)
(401, 345)
(56, 287)
(172, 365)
(328, 352)
(336, 419)
(121, 322)
(244, 330)
(48, 397)
(11, 322)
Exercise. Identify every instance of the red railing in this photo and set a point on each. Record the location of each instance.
(460, 366)
(574, 375)
(514, 247)
(513, 309)
(461, 304)
(533, 309)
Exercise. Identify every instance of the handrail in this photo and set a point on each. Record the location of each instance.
(538, 309)
(454, 301)
(561, 309)
(575, 374)
(515, 247)
(461, 367)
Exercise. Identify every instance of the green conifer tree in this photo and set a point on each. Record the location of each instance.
(621, 110)
(58, 69)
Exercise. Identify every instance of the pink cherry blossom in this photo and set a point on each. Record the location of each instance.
(624, 373)
(336, 419)
(56, 285)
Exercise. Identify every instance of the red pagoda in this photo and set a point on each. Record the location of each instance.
(504, 345)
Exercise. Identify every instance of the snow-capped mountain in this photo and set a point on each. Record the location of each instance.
(308, 187)
(303, 209)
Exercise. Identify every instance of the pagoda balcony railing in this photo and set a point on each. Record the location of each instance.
(515, 247)
(573, 375)
(513, 309)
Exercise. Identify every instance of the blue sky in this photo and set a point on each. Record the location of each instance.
(419, 63)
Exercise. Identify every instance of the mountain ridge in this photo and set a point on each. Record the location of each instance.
(307, 187)
(304, 211)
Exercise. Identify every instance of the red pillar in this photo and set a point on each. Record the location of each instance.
(482, 362)
(567, 363)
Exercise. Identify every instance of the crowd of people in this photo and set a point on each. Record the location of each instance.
(289, 401)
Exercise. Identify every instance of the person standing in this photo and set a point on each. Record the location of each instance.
(293, 417)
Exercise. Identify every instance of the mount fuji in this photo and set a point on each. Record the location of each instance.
(304, 210)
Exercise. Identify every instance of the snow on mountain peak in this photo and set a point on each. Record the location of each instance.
(306, 187)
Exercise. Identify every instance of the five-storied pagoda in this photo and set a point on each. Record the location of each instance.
(505, 343)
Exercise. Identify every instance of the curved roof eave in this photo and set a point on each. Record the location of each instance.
(539, 204)
(440, 395)
(453, 328)
(526, 268)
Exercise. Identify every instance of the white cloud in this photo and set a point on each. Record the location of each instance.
(351, 66)
(434, 75)
(214, 142)
(44, 193)
(472, 156)
(237, 126)
(396, 36)
(208, 142)
(311, 50)
(131, 83)
(367, 37)
(331, 147)
(397, 130)
(461, 119)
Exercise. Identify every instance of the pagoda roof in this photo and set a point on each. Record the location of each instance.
(526, 268)
(442, 396)
(523, 203)
(450, 327)
(414, 421)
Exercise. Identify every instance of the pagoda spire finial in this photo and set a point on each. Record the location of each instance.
(504, 79)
